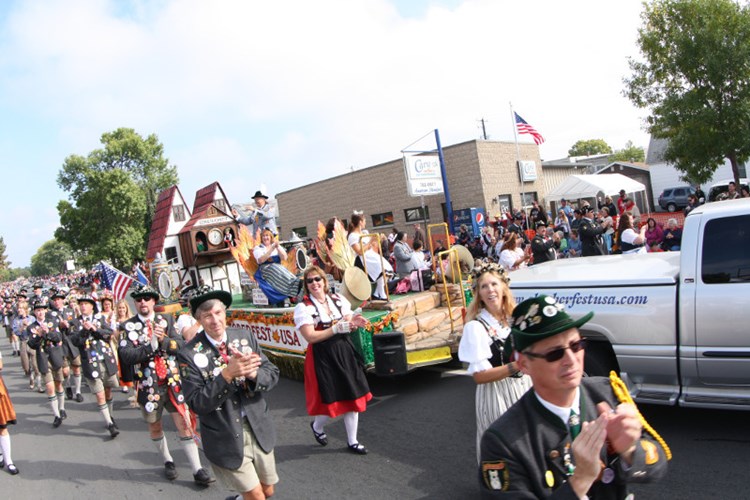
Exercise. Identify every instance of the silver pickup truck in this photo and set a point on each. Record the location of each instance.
(676, 325)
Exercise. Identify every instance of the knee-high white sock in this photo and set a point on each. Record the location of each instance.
(319, 423)
(53, 403)
(104, 410)
(111, 405)
(15, 345)
(5, 447)
(77, 384)
(61, 400)
(191, 450)
(163, 448)
(351, 421)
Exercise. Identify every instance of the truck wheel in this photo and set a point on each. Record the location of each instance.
(671, 207)
(599, 359)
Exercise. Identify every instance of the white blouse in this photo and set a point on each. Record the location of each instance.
(474, 347)
(303, 314)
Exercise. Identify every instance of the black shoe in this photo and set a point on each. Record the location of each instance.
(12, 469)
(170, 471)
(113, 421)
(358, 449)
(2, 462)
(79, 398)
(68, 393)
(57, 422)
(320, 437)
(203, 478)
(63, 414)
(113, 432)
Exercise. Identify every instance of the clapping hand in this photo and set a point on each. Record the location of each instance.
(358, 321)
(623, 428)
(586, 449)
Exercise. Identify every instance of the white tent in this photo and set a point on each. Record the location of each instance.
(589, 186)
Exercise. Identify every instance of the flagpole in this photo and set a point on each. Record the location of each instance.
(518, 161)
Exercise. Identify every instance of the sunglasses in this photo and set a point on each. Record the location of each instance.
(316, 279)
(557, 354)
(142, 299)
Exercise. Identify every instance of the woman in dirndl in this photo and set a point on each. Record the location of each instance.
(335, 382)
(276, 281)
(482, 346)
(7, 417)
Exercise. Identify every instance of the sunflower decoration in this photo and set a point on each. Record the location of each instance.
(341, 253)
(243, 253)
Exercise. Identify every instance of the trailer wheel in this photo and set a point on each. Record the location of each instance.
(600, 359)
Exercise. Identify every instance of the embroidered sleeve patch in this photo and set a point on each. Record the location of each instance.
(495, 475)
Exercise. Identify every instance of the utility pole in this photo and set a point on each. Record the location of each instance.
(484, 129)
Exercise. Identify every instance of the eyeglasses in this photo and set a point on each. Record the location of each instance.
(316, 279)
(557, 354)
(141, 299)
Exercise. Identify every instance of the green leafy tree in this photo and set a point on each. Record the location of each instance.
(11, 273)
(113, 194)
(693, 77)
(4, 262)
(50, 258)
(589, 147)
(106, 221)
(630, 153)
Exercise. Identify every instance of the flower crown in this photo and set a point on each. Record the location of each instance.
(487, 267)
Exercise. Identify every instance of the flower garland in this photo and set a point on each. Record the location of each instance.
(389, 319)
(251, 317)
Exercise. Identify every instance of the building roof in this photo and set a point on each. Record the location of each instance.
(160, 224)
(638, 165)
(204, 198)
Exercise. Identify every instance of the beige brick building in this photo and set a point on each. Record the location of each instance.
(481, 174)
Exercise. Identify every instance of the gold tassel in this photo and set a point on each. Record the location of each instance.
(623, 395)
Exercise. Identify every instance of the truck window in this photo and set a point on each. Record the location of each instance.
(726, 258)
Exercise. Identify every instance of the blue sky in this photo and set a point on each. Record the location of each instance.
(285, 93)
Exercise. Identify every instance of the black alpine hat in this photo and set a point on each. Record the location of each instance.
(145, 291)
(205, 293)
(258, 194)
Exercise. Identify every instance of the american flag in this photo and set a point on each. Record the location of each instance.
(525, 128)
(114, 280)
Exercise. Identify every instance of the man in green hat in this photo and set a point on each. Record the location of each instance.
(568, 437)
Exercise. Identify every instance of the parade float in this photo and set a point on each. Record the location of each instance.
(404, 331)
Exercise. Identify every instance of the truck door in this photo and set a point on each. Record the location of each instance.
(722, 302)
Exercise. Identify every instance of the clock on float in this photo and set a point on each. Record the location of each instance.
(215, 236)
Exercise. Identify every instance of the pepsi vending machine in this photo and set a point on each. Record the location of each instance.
(474, 218)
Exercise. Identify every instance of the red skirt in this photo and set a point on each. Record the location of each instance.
(315, 404)
(7, 413)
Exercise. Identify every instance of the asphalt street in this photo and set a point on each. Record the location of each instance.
(419, 430)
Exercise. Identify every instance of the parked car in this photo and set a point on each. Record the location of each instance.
(675, 198)
(722, 187)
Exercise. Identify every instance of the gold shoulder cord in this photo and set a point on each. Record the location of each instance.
(622, 394)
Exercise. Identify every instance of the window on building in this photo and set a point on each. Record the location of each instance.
(505, 203)
(725, 256)
(178, 212)
(170, 254)
(528, 198)
(220, 205)
(301, 231)
(382, 220)
(418, 214)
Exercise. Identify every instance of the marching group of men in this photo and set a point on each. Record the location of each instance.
(537, 449)
(217, 378)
